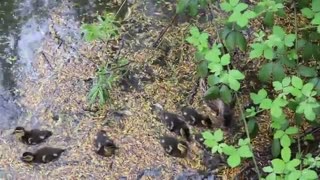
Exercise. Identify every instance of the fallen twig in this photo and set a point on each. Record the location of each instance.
(46, 59)
(157, 42)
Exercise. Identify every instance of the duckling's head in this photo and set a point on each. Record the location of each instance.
(19, 131)
(27, 157)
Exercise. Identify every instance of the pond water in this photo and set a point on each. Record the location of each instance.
(23, 25)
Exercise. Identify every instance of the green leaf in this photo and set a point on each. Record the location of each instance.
(253, 128)
(286, 81)
(309, 174)
(271, 176)
(277, 85)
(233, 83)
(315, 6)
(278, 134)
(277, 30)
(286, 154)
(265, 72)
(307, 88)
(249, 14)
(181, 6)
(240, 7)
(285, 141)
(218, 135)
(225, 94)
(278, 72)
(234, 160)
(269, 19)
(225, 60)
(257, 50)
(213, 80)
(229, 150)
(236, 74)
(289, 39)
(257, 98)
(294, 175)
(233, 2)
(316, 19)
(307, 71)
(213, 55)
(309, 114)
(266, 104)
(202, 69)
(268, 53)
(275, 148)
(226, 7)
(212, 93)
(297, 82)
(307, 13)
(208, 135)
(244, 151)
(235, 39)
(215, 67)
(278, 166)
(292, 130)
(210, 143)
(267, 169)
(291, 165)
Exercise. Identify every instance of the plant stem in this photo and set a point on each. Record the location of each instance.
(121, 7)
(240, 106)
(296, 48)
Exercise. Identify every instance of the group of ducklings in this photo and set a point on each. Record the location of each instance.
(178, 124)
(104, 146)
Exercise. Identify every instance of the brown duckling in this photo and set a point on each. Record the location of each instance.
(43, 155)
(174, 147)
(175, 124)
(103, 145)
(224, 111)
(32, 137)
(195, 118)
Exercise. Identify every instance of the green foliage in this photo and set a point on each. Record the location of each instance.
(191, 6)
(313, 13)
(240, 13)
(234, 153)
(104, 29)
(233, 39)
(101, 86)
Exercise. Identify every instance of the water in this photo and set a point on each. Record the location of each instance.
(23, 26)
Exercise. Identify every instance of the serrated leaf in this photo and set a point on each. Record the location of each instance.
(309, 174)
(208, 135)
(249, 14)
(271, 176)
(226, 7)
(213, 80)
(297, 82)
(315, 6)
(307, 88)
(265, 72)
(278, 166)
(218, 135)
(276, 111)
(291, 165)
(242, 21)
(235, 39)
(233, 83)
(269, 19)
(229, 150)
(212, 93)
(286, 154)
(233, 2)
(240, 7)
(277, 85)
(307, 13)
(307, 71)
(234, 160)
(278, 134)
(257, 50)
(289, 39)
(225, 60)
(225, 94)
(244, 151)
(236, 74)
(292, 130)
(181, 6)
(294, 175)
(286, 81)
(202, 69)
(277, 30)
(266, 104)
(268, 53)
(210, 143)
(278, 72)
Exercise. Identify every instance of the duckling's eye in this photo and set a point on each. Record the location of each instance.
(162, 141)
(185, 113)
(55, 154)
(166, 117)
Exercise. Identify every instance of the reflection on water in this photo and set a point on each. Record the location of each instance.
(23, 25)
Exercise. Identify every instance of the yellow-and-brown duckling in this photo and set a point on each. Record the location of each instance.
(43, 155)
(104, 146)
(174, 147)
(195, 118)
(175, 124)
(32, 137)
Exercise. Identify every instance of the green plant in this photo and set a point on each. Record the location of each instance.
(234, 153)
(104, 29)
(313, 13)
(101, 86)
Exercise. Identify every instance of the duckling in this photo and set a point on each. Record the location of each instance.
(32, 137)
(175, 124)
(195, 118)
(223, 111)
(103, 145)
(198, 137)
(174, 147)
(43, 155)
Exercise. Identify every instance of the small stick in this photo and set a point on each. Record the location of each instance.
(46, 59)
(157, 42)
